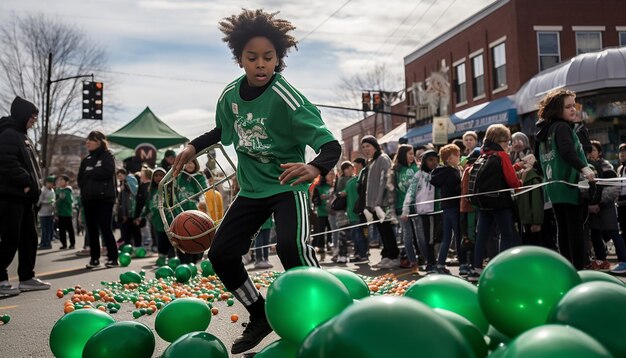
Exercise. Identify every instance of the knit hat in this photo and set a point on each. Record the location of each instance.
(370, 139)
(169, 153)
(345, 165)
(50, 179)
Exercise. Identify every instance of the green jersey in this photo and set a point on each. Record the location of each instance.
(64, 202)
(556, 168)
(403, 180)
(322, 206)
(270, 130)
(188, 186)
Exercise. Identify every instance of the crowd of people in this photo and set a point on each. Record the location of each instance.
(468, 193)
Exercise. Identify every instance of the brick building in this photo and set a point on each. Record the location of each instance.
(487, 58)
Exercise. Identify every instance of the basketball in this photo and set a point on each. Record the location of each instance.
(192, 232)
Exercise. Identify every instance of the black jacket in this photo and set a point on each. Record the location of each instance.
(448, 180)
(96, 176)
(19, 166)
(563, 138)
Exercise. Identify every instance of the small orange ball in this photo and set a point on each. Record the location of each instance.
(68, 308)
(214, 311)
(234, 317)
(60, 294)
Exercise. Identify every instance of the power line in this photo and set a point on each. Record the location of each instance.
(412, 27)
(323, 22)
(397, 27)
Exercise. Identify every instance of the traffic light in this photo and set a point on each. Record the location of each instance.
(367, 101)
(378, 102)
(92, 100)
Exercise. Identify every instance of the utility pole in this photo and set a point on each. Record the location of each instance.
(46, 121)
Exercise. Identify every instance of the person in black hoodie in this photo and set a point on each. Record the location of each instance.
(96, 179)
(20, 182)
(447, 178)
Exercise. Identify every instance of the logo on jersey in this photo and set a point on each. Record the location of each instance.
(253, 139)
(235, 108)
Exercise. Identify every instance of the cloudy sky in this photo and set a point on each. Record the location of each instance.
(168, 54)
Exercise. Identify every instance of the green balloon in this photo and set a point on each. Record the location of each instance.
(384, 326)
(196, 344)
(450, 293)
(130, 276)
(182, 316)
(278, 349)
(194, 269)
(164, 272)
(356, 286)
(140, 252)
(598, 309)
(549, 341)
(207, 268)
(496, 338)
(72, 331)
(173, 262)
(314, 344)
(473, 336)
(516, 305)
(183, 273)
(301, 299)
(124, 259)
(591, 275)
(127, 248)
(161, 261)
(121, 339)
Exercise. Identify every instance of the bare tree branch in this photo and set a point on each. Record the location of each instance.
(26, 42)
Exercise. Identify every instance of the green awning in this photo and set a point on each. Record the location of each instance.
(146, 128)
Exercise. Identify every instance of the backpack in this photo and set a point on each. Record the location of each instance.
(486, 176)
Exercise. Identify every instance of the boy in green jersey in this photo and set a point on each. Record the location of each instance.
(269, 123)
(64, 210)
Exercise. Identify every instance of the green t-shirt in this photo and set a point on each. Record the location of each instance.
(352, 195)
(189, 185)
(403, 180)
(65, 199)
(322, 207)
(270, 130)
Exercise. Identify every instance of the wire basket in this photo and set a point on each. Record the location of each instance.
(172, 200)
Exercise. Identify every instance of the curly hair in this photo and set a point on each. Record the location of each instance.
(551, 106)
(239, 29)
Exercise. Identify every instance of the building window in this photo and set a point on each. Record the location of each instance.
(588, 41)
(461, 88)
(499, 66)
(549, 49)
(622, 38)
(478, 76)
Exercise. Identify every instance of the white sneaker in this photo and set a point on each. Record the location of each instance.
(389, 264)
(342, 260)
(34, 284)
(383, 262)
(7, 290)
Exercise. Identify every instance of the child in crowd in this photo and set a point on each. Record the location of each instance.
(46, 213)
(400, 175)
(355, 204)
(151, 211)
(321, 193)
(419, 198)
(497, 209)
(270, 124)
(468, 215)
(447, 178)
(64, 211)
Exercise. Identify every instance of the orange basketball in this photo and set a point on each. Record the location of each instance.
(192, 231)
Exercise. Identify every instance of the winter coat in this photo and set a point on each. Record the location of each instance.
(19, 165)
(530, 204)
(376, 190)
(606, 219)
(96, 177)
(448, 180)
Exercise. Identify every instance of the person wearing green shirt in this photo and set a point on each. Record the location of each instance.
(64, 211)
(190, 183)
(270, 123)
(151, 210)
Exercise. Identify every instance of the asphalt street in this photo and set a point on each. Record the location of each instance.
(33, 314)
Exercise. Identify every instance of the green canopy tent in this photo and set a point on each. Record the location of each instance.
(146, 128)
